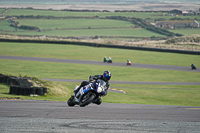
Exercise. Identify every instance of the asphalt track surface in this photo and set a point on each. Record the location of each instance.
(121, 64)
(53, 117)
(48, 116)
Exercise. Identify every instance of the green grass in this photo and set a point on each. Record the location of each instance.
(161, 95)
(64, 27)
(95, 32)
(79, 53)
(73, 23)
(80, 71)
(187, 31)
(5, 26)
(2, 10)
(135, 94)
(92, 33)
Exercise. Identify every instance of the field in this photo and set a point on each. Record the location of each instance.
(74, 23)
(188, 31)
(68, 24)
(86, 24)
(136, 94)
(97, 27)
(55, 13)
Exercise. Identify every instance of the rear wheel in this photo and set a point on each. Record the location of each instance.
(87, 99)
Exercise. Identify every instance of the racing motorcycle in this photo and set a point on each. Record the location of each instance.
(128, 63)
(88, 94)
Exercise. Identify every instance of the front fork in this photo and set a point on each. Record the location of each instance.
(79, 95)
(81, 92)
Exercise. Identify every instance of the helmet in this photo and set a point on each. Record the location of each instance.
(106, 75)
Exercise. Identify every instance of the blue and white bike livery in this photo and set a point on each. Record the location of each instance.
(88, 94)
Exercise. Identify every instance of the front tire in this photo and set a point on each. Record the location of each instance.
(87, 99)
(71, 102)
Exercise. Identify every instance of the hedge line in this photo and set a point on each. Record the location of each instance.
(103, 45)
(25, 27)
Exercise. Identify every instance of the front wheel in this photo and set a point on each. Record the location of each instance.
(71, 102)
(87, 99)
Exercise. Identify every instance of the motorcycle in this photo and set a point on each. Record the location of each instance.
(193, 67)
(128, 63)
(109, 60)
(88, 94)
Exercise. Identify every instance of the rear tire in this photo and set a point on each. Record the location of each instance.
(87, 99)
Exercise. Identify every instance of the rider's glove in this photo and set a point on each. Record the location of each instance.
(91, 78)
(95, 77)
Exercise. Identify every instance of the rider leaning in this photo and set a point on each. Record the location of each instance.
(105, 77)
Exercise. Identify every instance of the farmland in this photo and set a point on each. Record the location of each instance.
(126, 27)
(71, 21)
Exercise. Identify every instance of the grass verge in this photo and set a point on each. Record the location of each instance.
(187, 95)
(136, 94)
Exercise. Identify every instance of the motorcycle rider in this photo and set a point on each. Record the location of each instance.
(105, 59)
(128, 61)
(105, 77)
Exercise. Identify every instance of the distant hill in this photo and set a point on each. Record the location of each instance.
(122, 2)
(109, 5)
